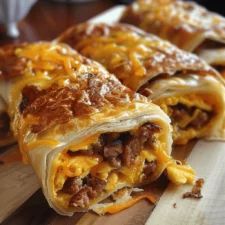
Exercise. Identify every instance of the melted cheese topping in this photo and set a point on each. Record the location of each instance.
(114, 52)
(179, 13)
(177, 21)
(49, 63)
(132, 55)
(45, 62)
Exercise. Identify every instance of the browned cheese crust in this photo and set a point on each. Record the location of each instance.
(182, 23)
(85, 87)
(135, 57)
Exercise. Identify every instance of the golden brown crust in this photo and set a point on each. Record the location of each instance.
(65, 84)
(134, 56)
(58, 105)
(181, 22)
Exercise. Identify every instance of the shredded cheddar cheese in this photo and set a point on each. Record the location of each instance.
(121, 206)
(102, 170)
(149, 156)
(72, 166)
(124, 203)
(180, 174)
(112, 182)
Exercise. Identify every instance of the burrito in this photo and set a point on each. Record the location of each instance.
(186, 24)
(185, 87)
(88, 137)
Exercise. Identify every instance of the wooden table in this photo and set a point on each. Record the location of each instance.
(47, 19)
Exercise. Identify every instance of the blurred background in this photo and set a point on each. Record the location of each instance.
(214, 5)
(32, 20)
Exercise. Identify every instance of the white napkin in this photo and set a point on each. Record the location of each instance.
(11, 11)
(208, 159)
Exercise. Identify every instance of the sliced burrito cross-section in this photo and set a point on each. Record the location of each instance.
(185, 87)
(86, 135)
(184, 23)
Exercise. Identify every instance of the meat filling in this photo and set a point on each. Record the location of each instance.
(122, 148)
(190, 117)
(86, 192)
(150, 168)
(72, 185)
(118, 149)
(196, 117)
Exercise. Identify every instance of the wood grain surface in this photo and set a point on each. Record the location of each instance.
(17, 182)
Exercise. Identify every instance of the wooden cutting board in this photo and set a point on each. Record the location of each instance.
(17, 182)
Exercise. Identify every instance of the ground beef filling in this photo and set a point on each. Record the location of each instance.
(118, 149)
(189, 117)
(149, 168)
(84, 190)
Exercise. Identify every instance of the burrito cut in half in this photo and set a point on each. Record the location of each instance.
(186, 24)
(185, 87)
(86, 135)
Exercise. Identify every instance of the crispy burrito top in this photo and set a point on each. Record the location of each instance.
(86, 135)
(187, 89)
(186, 24)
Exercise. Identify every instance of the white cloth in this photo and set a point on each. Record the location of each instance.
(11, 11)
